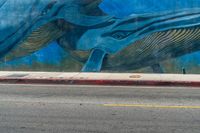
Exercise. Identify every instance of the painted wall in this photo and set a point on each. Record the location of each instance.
(100, 35)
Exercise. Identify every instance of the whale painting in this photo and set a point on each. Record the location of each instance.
(30, 25)
(102, 35)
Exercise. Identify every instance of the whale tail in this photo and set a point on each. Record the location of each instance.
(95, 61)
(84, 13)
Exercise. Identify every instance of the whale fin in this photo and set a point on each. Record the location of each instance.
(95, 61)
(76, 17)
(91, 7)
(84, 13)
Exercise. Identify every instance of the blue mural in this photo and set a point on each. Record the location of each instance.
(100, 35)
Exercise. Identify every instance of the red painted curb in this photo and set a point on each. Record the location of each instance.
(99, 82)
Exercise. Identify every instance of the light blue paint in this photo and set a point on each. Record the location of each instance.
(193, 58)
(53, 54)
(122, 8)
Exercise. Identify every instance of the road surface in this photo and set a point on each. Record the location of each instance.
(98, 109)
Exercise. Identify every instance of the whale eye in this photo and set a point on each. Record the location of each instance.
(48, 7)
(119, 35)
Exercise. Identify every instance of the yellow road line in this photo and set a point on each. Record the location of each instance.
(152, 106)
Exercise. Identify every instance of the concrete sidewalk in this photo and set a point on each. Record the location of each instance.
(125, 79)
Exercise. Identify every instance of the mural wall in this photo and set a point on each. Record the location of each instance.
(100, 35)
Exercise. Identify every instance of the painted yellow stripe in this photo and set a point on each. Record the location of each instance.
(152, 106)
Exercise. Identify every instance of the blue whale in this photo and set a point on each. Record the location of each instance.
(135, 23)
(28, 25)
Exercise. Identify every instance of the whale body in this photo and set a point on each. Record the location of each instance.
(134, 22)
(28, 25)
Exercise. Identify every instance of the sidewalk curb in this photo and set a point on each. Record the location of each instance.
(114, 79)
(99, 82)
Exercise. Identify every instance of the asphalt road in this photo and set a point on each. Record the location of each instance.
(93, 109)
